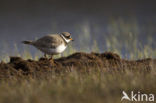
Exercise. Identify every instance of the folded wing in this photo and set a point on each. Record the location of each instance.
(49, 41)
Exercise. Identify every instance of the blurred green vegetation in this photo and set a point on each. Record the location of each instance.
(122, 36)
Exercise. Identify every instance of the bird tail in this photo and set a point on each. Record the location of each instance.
(28, 42)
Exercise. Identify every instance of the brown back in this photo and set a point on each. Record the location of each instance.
(49, 41)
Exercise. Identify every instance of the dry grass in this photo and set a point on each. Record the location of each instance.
(93, 87)
(98, 85)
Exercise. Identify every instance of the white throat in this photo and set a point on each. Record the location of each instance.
(67, 40)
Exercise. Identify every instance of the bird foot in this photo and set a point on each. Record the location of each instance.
(51, 60)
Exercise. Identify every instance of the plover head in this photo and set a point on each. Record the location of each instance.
(66, 36)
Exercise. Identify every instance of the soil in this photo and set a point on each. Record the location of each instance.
(78, 61)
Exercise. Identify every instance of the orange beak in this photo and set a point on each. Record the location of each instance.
(71, 39)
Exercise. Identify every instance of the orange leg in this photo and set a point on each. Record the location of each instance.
(51, 57)
(45, 55)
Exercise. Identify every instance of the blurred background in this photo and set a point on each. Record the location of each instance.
(127, 27)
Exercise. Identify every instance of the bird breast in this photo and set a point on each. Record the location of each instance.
(58, 49)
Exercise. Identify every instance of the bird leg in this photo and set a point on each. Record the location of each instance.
(45, 56)
(52, 60)
(51, 57)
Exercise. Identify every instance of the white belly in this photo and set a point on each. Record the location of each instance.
(57, 50)
(60, 48)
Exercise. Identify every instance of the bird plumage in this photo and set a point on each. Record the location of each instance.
(51, 44)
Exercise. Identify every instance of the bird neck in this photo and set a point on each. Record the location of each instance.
(65, 40)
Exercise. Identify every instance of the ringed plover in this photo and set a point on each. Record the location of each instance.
(52, 44)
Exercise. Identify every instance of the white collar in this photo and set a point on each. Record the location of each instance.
(66, 40)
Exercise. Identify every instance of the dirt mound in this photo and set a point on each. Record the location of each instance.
(80, 61)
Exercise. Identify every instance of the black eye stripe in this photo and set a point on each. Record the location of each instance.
(68, 36)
